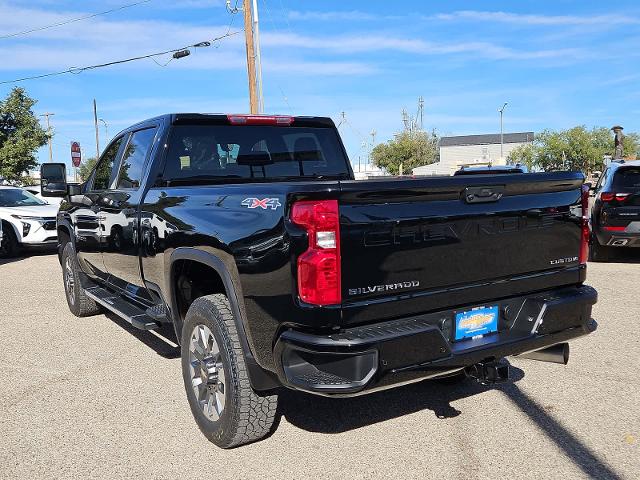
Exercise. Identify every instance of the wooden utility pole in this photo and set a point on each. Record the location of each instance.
(95, 124)
(49, 135)
(251, 57)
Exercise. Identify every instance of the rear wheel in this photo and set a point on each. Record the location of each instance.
(10, 246)
(597, 252)
(227, 410)
(79, 302)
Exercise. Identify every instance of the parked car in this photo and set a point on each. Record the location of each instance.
(27, 221)
(277, 269)
(615, 214)
(35, 190)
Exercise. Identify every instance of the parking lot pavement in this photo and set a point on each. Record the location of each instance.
(93, 398)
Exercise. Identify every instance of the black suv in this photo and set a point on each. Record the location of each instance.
(615, 215)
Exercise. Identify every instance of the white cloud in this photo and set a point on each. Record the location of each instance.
(536, 19)
(332, 15)
(376, 43)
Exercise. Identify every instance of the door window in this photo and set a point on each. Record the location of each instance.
(104, 169)
(135, 154)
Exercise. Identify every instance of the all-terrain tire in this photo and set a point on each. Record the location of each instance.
(10, 246)
(247, 416)
(80, 304)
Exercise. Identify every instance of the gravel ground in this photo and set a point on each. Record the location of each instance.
(94, 398)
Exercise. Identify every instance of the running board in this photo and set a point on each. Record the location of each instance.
(124, 309)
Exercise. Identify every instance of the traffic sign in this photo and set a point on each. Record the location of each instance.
(76, 156)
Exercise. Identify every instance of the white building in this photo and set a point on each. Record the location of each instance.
(473, 150)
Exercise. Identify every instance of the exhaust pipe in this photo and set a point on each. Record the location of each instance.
(558, 353)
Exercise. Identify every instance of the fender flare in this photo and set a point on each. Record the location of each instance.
(260, 378)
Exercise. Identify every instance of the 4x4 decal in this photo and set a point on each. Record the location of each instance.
(264, 203)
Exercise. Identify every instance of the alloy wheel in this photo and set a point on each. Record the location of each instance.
(207, 372)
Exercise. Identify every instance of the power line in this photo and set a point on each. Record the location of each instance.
(72, 20)
(77, 70)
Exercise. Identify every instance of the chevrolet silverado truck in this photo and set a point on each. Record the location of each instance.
(249, 235)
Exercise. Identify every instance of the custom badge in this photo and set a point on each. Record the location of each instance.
(263, 203)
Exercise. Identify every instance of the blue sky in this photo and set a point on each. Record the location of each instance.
(557, 63)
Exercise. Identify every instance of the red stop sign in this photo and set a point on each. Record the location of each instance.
(76, 156)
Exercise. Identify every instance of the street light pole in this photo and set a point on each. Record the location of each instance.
(501, 110)
(49, 135)
(106, 129)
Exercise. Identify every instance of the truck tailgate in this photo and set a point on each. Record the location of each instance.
(448, 241)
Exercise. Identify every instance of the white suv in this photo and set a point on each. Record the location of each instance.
(27, 221)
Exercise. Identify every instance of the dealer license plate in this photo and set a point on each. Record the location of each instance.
(477, 321)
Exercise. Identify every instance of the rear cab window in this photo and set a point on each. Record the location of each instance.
(231, 153)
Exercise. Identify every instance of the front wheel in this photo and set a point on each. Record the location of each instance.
(10, 247)
(227, 410)
(80, 304)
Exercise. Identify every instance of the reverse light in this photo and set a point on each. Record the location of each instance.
(584, 243)
(242, 119)
(319, 266)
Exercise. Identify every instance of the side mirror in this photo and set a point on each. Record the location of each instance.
(53, 180)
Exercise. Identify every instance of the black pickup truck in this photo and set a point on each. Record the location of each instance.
(277, 269)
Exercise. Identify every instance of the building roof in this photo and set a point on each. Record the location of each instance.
(490, 138)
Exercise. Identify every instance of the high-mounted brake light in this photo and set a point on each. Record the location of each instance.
(319, 265)
(586, 233)
(610, 197)
(242, 119)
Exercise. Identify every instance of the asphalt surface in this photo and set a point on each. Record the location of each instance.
(94, 398)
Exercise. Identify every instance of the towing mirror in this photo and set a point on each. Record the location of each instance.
(53, 180)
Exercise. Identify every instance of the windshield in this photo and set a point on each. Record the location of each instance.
(17, 197)
(253, 153)
(627, 179)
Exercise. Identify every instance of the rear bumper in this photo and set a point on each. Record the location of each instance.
(368, 358)
(618, 239)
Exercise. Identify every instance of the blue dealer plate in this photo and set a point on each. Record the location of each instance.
(477, 321)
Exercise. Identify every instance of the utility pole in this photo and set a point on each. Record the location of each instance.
(421, 110)
(95, 124)
(49, 135)
(256, 46)
(501, 110)
(251, 58)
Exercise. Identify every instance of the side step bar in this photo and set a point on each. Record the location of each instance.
(132, 314)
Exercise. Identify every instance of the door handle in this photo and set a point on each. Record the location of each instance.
(483, 194)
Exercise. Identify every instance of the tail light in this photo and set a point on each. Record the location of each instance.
(610, 197)
(319, 265)
(584, 244)
(614, 229)
(281, 120)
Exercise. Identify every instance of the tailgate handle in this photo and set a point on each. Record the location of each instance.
(483, 194)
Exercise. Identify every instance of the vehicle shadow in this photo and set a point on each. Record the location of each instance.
(332, 416)
(162, 341)
(627, 255)
(338, 415)
(25, 255)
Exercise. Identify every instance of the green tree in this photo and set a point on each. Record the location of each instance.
(524, 155)
(577, 148)
(86, 168)
(20, 135)
(409, 148)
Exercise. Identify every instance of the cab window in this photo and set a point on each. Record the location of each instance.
(102, 175)
(133, 158)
